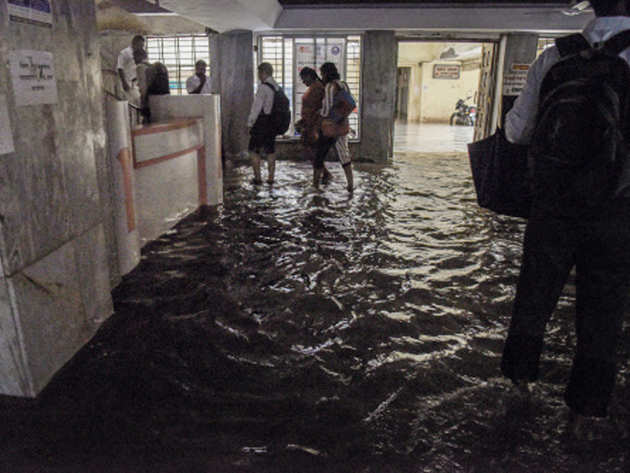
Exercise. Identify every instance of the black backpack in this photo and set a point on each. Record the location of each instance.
(280, 111)
(578, 150)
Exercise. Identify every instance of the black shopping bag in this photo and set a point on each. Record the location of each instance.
(499, 170)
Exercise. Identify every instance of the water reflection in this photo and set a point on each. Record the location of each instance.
(431, 138)
(316, 331)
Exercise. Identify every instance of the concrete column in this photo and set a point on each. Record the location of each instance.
(380, 52)
(56, 231)
(232, 76)
(520, 51)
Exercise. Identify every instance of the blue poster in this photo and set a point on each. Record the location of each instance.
(33, 12)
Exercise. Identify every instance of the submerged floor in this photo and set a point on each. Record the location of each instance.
(303, 331)
(410, 137)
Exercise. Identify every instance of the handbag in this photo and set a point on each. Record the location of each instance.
(333, 129)
(500, 174)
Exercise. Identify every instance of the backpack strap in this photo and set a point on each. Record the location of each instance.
(272, 87)
(572, 44)
(618, 43)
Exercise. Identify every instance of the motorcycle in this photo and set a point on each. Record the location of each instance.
(464, 114)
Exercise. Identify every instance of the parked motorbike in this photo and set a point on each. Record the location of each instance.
(464, 114)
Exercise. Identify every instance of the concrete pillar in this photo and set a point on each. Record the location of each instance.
(232, 76)
(56, 226)
(380, 52)
(520, 52)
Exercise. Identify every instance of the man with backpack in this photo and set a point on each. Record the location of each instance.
(270, 116)
(574, 113)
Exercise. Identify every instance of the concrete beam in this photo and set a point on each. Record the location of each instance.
(488, 19)
(226, 15)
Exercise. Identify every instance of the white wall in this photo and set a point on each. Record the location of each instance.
(439, 96)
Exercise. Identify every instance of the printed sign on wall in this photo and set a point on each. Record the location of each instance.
(33, 75)
(33, 12)
(304, 57)
(447, 71)
(514, 79)
(335, 49)
(6, 137)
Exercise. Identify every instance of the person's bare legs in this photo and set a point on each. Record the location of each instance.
(271, 167)
(317, 176)
(256, 166)
(347, 169)
(326, 176)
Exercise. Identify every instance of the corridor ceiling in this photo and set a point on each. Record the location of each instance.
(398, 15)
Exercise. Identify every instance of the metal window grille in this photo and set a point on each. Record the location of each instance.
(281, 51)
(179, 54)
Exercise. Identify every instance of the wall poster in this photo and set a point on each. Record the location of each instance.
(33, 12)
(33, 76)
(304, 57)
(314, 53)
(514, 79)
(6, 137)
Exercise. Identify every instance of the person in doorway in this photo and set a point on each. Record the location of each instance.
(596, 243)
(260, 126)
(309, 124)
(126, 66)
(198, 83)
(332, 84)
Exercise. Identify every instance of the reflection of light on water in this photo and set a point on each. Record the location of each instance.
(431, 138)
(295, 326)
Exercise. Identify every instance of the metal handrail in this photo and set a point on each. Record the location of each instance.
(134, 110)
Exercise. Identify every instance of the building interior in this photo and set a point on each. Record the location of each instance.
(159, 312)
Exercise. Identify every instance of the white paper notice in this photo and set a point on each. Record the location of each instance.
(6, 137)
(33, 75)
(515, 79)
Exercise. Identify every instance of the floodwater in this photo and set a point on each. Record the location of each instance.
(431, 138)
(304, 331)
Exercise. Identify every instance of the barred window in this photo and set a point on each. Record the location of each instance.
(179, 54)
(288, 54)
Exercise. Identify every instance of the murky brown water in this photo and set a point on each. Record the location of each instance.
(303, 331)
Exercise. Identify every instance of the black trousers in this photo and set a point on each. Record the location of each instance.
(599, 248)
(322, 147)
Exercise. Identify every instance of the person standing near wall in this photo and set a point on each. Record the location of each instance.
(260, 126)
(152, 80)
(198, 83)
(126, 66)
(570, 224)
(333, 84)
(310, 123)
(142, 65)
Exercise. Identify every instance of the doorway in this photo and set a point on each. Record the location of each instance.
(444, 95)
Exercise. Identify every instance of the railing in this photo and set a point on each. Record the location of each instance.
(135, 112)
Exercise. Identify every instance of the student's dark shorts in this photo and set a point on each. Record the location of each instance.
(262, 139)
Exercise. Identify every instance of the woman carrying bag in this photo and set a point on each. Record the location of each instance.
(336, 106)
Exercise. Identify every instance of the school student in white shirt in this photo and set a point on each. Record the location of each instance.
(126, 66)
(262, 135)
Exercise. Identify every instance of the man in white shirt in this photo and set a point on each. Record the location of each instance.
(198, 84)
(126, 66)
(262, 135)
(597, 245)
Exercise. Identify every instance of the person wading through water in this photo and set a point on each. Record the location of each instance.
(335, 127)
(573, 114)
(310, 123)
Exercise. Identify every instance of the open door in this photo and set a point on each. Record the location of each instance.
(487, 86)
